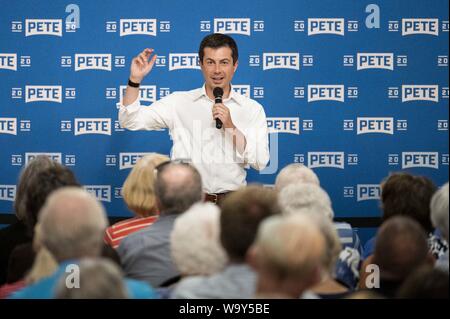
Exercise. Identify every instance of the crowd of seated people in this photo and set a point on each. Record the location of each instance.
(258, 242)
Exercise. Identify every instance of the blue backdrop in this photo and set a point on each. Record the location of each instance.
(352, 89)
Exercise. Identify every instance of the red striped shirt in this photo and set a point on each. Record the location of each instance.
(115, 233)
(8, 289)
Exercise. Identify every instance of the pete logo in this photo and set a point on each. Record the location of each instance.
(420, 159)
(57, 157)
(281, 61)
(326, 26)
(147, 93)
(101, 192)
(283, 125)
(8, 125)
(375, 61)
(8, 192)
(325, 92)
(8, 61)
(232, 26)
(368, 192)
(326, 159)
(420, 26)
(43, 27)
(93, 62)
(179, 61)
(41, 93)
(367, 125)
(242, 90)
(138, 26)
(420, 93)
(127, 160)
(92, 126)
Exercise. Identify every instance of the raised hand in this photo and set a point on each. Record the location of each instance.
(141, 65)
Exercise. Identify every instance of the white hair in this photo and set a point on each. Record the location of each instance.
(72, 224)
(296, 197)
(295, 173)
(439, 210)
(290, 246)
(195, 241)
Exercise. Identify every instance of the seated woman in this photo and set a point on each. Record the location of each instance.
(138, 194)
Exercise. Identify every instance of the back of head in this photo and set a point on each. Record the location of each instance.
(99, 279)
(300, 196)
(408, 195)
(218, 40)
(242, 212)
(424, 283)
(27, 175)
(72, 223)
(401, 246)
(195, 244)
(41, 186)
(439, 210)
(295, 173)
(290, 248)
(139, 186)
(178, 187)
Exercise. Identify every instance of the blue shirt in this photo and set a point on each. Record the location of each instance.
(45, 288)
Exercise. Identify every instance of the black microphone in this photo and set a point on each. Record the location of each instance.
(218, 93)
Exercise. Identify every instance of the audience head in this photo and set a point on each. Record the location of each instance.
(295, 173)
(177, 187)
(288, 254)
(72, 222)
(242, 212)
(424, 283)
(41, 186)
(408, 195)
(401, 246)
(28, 174)
(139, 187)
(299, 196)
(195, 244)
(99, 279)
(439, 210)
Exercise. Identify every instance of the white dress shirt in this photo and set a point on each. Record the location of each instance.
(188, 116)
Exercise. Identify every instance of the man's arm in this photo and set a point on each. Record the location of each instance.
(221, 112)
(251, 144)
(132, 115)
(141, 65)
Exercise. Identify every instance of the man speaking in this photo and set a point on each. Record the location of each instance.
(216, 129)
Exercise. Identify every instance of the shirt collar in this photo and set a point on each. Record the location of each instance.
(202, 93)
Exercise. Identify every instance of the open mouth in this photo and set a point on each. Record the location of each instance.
(217, 79)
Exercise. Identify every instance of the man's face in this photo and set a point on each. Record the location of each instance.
(217, 67)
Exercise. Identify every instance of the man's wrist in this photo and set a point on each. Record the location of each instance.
(135, 80)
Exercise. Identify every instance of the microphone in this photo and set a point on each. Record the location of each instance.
(218, 93)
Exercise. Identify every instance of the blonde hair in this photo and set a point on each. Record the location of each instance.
(138, 189)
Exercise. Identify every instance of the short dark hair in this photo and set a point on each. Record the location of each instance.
(242, 212)
(177, 195)
(401, 246)
(218, 40)
(408, 195)
(44, 183)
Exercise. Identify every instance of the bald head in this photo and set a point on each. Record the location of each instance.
(72, 223)
(177, 187)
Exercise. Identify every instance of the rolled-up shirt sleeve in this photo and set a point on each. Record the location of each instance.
(138, 117)
(256, 152)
